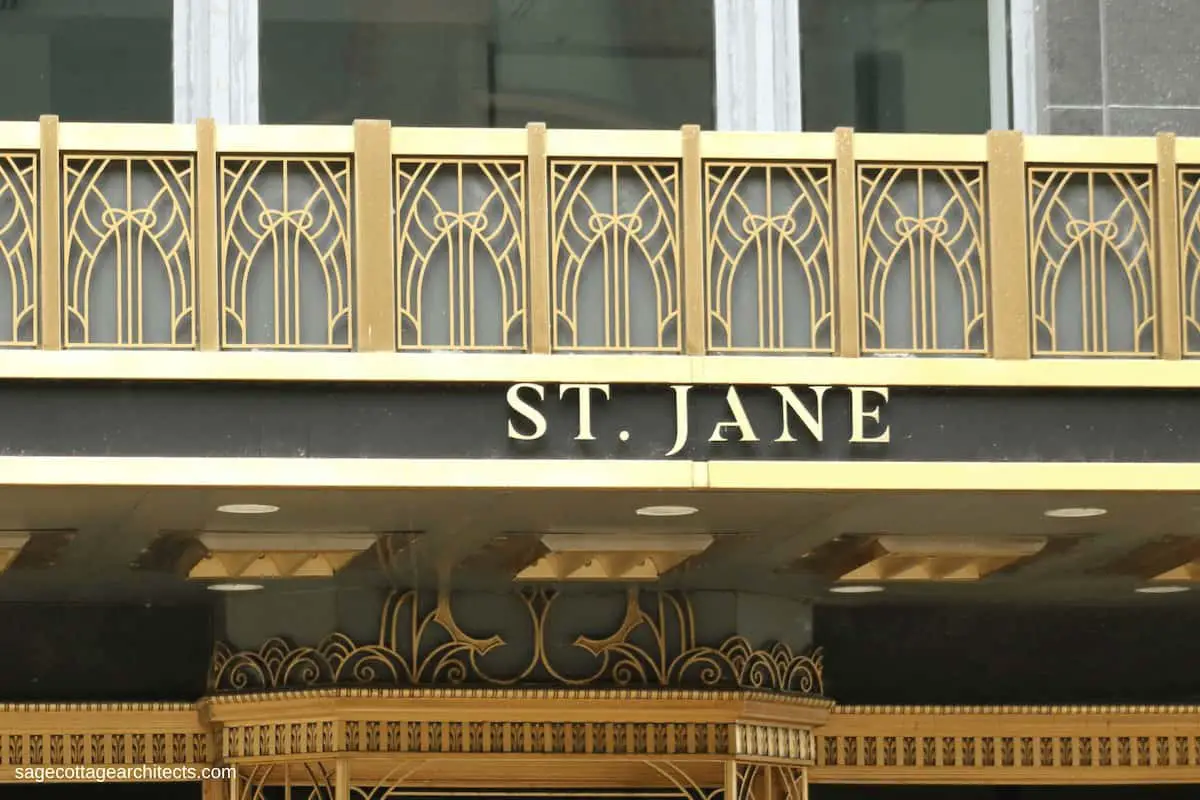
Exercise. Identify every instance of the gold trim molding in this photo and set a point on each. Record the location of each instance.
(467, 367)
(561, 723)
(101, 735)
(1013, 745)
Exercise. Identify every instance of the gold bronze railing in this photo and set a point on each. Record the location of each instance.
(374, 238)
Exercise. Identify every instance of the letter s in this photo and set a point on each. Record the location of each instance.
(522, 407)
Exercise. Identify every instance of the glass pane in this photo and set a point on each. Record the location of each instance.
(895, 65)
(86, 61)
(568, 63)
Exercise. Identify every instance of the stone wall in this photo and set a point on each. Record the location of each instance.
(1118, 67)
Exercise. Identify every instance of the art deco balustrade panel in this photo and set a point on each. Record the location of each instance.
(128, 251)
(769, 257)
(1093, 261)
(923, 266)
(18, 249)
(615, 255)
(1189, 257)
(461, 254)
(287, 265)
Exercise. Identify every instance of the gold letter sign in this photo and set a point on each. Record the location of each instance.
(794, 404)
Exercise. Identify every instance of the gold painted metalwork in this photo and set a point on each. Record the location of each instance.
(50, 735)
(616, 256)
(128, 269)
(19, 253)
(655, 645)
(287, 268)
(923, 263)
(1189, 257)
(461, 255)
(1092, 262)
(1010, 745)
(770, 275)
(769, 782)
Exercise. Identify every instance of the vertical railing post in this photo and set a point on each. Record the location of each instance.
(208, 250)
(1170, 306)
(541, 282)
(50, 303)
(374, 255)
(1012, 336)
(848, 334)
(341, 778)
(695, 315)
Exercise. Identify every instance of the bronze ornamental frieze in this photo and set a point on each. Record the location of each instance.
(656, 644)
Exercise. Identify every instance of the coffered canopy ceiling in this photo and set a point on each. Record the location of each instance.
(157, 544)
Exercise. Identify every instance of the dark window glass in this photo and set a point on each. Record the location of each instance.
(86, 60)
(568, 63)
(895, 65)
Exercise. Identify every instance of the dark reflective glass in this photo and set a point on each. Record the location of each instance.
(896, 65)
(86, 60)
(569, 63)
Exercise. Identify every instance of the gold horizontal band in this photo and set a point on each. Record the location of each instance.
(345, 473)
(743, 147)
(459, 142)
(1007, 776)
(1187, 151)
(20, 135)
(1096, 150)
(930, 148)
(982, 476)
(495, 473)
(285, 141)
(94, 137)
(600, 145)
(137, 365)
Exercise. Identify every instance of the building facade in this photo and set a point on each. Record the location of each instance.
(749, 399)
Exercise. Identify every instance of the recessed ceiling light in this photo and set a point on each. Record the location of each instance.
(247, 508)
(1161, 589)
(856, 588)
(1076, 513)
(234, 587)
(666, 511)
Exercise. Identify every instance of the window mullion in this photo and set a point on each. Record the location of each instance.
(757, 65)
(216, 61)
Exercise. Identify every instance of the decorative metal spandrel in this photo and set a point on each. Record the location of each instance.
(769, 257)
(421, 644)
(287, 261)
(461, 255)
(1092, 260)
(615, 255)
(128, 252)
(923, 264)
(18, 249)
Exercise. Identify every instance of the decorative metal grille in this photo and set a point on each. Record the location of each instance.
(287, 267)
(615, 256)
(1092, 262)
(461, 255)
(770, 271)
(923, 259)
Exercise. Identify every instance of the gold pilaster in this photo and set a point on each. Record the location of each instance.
(50, 303)
(540, 267)
(694, 311)
(375, 281)
(1170, 306)
(341, 787)
(208, 255)
(848, 336)
(1011, 335)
